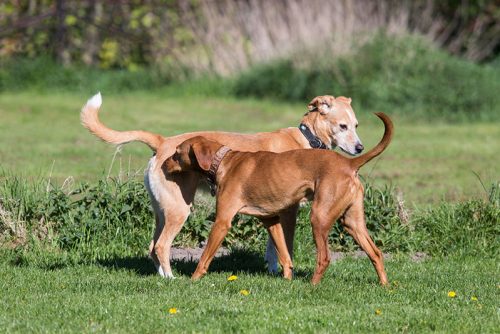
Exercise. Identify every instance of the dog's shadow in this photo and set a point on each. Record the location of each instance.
(238, 260)
(140, 265)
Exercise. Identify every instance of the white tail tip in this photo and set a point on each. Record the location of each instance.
(95, 101)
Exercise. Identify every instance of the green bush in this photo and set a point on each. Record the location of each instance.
(113, 218)
(468, 228)
(405, 74)
(45, 74)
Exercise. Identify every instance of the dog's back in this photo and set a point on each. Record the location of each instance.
(267, 182)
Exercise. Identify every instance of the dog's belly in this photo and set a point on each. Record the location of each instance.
(258, 212)
(269, 209)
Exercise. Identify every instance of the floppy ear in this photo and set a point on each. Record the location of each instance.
(319, 104)
(203, 154)
(345, 99)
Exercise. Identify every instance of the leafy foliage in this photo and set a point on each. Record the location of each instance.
(113, 217)
(222, 36)
(388, 73)
(44, 74)
(468, 228)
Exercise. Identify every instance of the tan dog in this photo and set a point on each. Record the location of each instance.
(264, 184)
(330, 121)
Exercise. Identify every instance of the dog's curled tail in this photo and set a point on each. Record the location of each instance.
(358, 162)
(90, 119)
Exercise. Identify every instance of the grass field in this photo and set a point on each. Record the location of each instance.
(49, 286)
(126, 296)
(41, 137)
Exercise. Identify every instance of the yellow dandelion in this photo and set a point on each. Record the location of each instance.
(244, 292)
(473, 298)
(378, 311)
(172, 310)
(452, 294)
(232, 278)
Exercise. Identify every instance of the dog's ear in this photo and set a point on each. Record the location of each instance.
(203, 154)
(321, 104)
(347, 100)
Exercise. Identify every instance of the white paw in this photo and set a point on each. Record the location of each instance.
(164, 274)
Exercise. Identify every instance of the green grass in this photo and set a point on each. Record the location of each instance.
(428, 162)
(125, 296)
(86, 270)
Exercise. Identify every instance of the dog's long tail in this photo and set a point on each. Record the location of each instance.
(358, 162)
(90, 119)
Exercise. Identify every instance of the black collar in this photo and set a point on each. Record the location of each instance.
(314, 141)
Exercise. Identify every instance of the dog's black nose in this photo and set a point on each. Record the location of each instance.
(359, 148)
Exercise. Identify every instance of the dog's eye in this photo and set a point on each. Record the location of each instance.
(343, 127)
(356, 126)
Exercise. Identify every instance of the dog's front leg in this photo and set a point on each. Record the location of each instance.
(219, 230)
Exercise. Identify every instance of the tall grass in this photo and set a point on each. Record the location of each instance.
(468, 228)
(113, 218)
(225, 37)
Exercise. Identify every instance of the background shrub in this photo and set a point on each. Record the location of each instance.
(113, 218)
(468, 228)
(405, 74)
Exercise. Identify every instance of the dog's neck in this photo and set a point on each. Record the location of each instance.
(313, 140)
(311, 131)
(212, 172)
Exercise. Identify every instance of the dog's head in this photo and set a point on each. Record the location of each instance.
(336, 122)
(194, 154)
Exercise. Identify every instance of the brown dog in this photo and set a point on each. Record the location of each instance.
(264, 184)
(330, 122)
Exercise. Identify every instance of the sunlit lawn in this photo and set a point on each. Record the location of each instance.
(41, 136)
(127, 296)
(44, 292)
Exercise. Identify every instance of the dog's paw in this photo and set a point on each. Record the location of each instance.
(162, 273)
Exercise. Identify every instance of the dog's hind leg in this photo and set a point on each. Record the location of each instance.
(174, 219)
(355, 225)
(172, 197)
(288, 220)
(323, 216)
(158, 214)
(275, 230)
